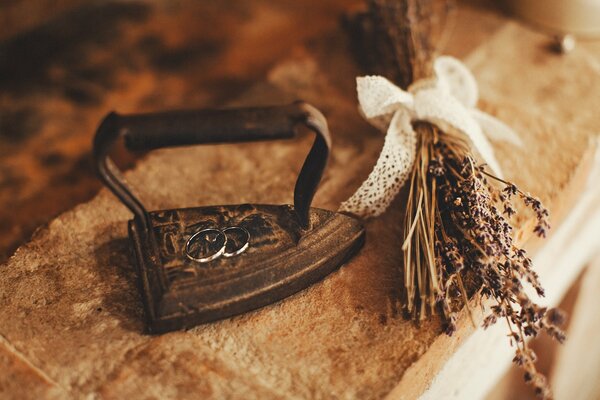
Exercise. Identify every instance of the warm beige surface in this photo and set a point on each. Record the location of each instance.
(582, 352)
(69, 304)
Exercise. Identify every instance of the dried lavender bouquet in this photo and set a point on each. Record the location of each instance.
(458, 235)
(458, 239)
(458, 243)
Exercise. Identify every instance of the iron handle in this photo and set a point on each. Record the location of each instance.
(181, 128)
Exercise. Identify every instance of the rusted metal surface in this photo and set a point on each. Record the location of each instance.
(281, 260)
(290, 247)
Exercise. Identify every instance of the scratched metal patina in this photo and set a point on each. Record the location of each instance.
(283, 258)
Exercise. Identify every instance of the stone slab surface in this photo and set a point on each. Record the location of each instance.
(69, 309)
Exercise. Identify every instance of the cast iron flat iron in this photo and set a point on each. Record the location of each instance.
(197, 265)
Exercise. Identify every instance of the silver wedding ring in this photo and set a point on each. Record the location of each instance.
(228, 242)
(221, 237)
(245, 242)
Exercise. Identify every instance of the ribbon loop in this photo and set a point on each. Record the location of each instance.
(378, 96)
(457, 79)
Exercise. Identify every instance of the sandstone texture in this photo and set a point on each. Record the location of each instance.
(70, 314)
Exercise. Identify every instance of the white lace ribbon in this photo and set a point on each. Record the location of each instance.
(447, 101)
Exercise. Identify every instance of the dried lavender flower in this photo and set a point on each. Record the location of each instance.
(458, 243)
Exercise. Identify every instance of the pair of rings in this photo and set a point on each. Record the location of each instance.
(218, 244)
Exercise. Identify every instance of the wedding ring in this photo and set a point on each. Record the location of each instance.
(210, 242)
(245, 242)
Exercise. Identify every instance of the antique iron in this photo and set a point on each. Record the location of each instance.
(287, 247)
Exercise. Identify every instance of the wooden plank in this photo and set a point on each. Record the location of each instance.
(578, 362)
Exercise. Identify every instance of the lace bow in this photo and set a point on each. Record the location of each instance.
(447, 101)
